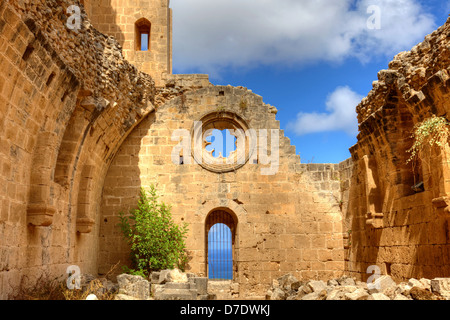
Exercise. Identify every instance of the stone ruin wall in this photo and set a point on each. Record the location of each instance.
(406, 234)
(75, 113)
(117, 18)
(67, 102)
(290, 222)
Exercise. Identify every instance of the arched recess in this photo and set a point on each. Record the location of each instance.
(372, 186)
(410, 172)
(220, 240)
(399, 127)
(70, 145)
(143, 35)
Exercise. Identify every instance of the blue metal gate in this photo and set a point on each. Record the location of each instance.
(220, 229)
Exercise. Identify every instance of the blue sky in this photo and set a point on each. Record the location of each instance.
(219, 252)
(313, 60)
(222, 143)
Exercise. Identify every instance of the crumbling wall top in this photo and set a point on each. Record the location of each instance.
(409, 71)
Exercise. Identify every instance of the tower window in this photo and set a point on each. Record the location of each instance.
(143, 28)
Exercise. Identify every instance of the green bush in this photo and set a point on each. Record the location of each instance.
(434, 131)
(157, 242)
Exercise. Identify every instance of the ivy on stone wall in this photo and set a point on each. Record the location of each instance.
(431, 132)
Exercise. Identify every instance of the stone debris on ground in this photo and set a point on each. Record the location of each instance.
(288, 287)
(162, 285)
(176, 285)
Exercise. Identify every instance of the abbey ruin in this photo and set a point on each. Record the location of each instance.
(87, 119)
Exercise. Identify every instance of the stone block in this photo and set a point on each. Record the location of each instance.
(346, 281)
(134, 286)
(358, 294)
(378, 296)
(286, 281)
(318, 295)
(416, 283)
(201, 285)
(277, 294)
(422, 294)
(381, 284)
(441, 286)
(332, 283)
(177, 286)
(176, 294)
(174, 275)
(317, 286)
(154, 277)
(339, 293)
(403, 289)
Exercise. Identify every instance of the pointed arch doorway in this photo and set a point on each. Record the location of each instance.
(220, 226)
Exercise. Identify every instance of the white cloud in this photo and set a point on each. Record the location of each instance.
(210, 35)
(341, 115)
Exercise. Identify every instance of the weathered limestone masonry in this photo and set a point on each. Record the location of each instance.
(82, 129)
(286, 222)
(67, 101)
(405, 233)
(125, 20)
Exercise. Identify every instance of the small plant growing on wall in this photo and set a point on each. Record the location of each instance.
(431, 132)
(157, 242)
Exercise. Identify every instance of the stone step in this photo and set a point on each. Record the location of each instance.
(219, 284)
(176, 294)
(177, 285)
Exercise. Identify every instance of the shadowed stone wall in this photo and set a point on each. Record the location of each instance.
(405, 232)
(67, 101)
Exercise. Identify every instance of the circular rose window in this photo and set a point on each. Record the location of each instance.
(222, 142)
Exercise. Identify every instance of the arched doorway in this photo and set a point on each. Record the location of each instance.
(220, 239)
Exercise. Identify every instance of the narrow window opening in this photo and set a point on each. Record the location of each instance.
(220, 240)
(143, 28)
(220, 252)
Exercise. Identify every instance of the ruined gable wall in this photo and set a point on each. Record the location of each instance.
(404, 232)
(67, 102)
(288, 222)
